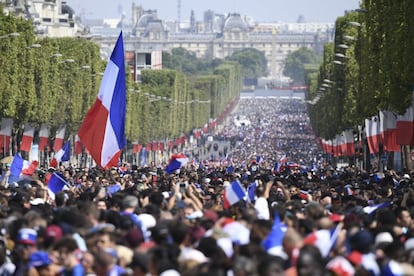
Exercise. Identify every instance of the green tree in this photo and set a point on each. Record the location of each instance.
(253, 61)
(296, 64)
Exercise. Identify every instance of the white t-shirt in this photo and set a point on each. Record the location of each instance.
(262, 208)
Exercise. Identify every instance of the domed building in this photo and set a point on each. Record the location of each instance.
(149, 26)
(235, 28)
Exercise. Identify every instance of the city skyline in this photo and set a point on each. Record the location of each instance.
(325, 11)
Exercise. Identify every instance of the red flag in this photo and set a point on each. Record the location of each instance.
(43, 137)
(27, 138)
(5, 134)
(60, 136)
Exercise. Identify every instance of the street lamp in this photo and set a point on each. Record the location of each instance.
(340, 55)
(56, 55)
(354, 24)
(343, 46)
(69, 60)
(36, 45)
(338, 62)
(9, 35)
(349, 38)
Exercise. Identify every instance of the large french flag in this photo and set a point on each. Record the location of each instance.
(103, 129)
(372, 129)
(233, 194)
(27, 138)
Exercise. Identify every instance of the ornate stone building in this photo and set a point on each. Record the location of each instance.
(217, 36)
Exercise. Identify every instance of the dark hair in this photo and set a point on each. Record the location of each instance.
(66, 242)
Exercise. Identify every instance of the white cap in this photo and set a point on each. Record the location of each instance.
(383, 237)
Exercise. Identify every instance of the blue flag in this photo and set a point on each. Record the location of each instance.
(16, 168)
(56, 183)
(251, 192)
(273, 242)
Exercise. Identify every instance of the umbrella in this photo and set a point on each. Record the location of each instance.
(7, 160)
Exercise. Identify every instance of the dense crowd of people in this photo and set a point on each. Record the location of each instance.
(303, 219)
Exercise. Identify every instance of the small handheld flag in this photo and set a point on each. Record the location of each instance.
(61, 156)
(176, 162)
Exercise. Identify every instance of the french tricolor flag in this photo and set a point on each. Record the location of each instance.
(176, 162)
(349, 191)
(61, 156)
(19, 168)
(273, 242)
(233, 194)
(324, 239)
(103, 129)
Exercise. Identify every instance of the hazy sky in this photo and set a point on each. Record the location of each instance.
(260, 10)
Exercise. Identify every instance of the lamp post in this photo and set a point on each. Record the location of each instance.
(9, 35)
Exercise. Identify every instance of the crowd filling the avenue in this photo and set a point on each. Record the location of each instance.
(272, 204)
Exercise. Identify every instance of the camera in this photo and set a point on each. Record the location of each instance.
(183, 186)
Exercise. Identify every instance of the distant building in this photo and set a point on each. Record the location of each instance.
(216, 36)
(53, 18)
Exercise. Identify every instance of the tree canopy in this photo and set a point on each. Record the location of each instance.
(299, 63)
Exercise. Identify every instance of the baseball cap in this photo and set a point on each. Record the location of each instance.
(27, 236)
(39, 259)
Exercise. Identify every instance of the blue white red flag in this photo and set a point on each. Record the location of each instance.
(103, 129)
(273, 242)
(349, 191)
(20, 168)
(279, 166)
(233, 194)
(370, 210)
(61, 156)
(176, 162)
(324, 239)
(56, 184)
(251, 192)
